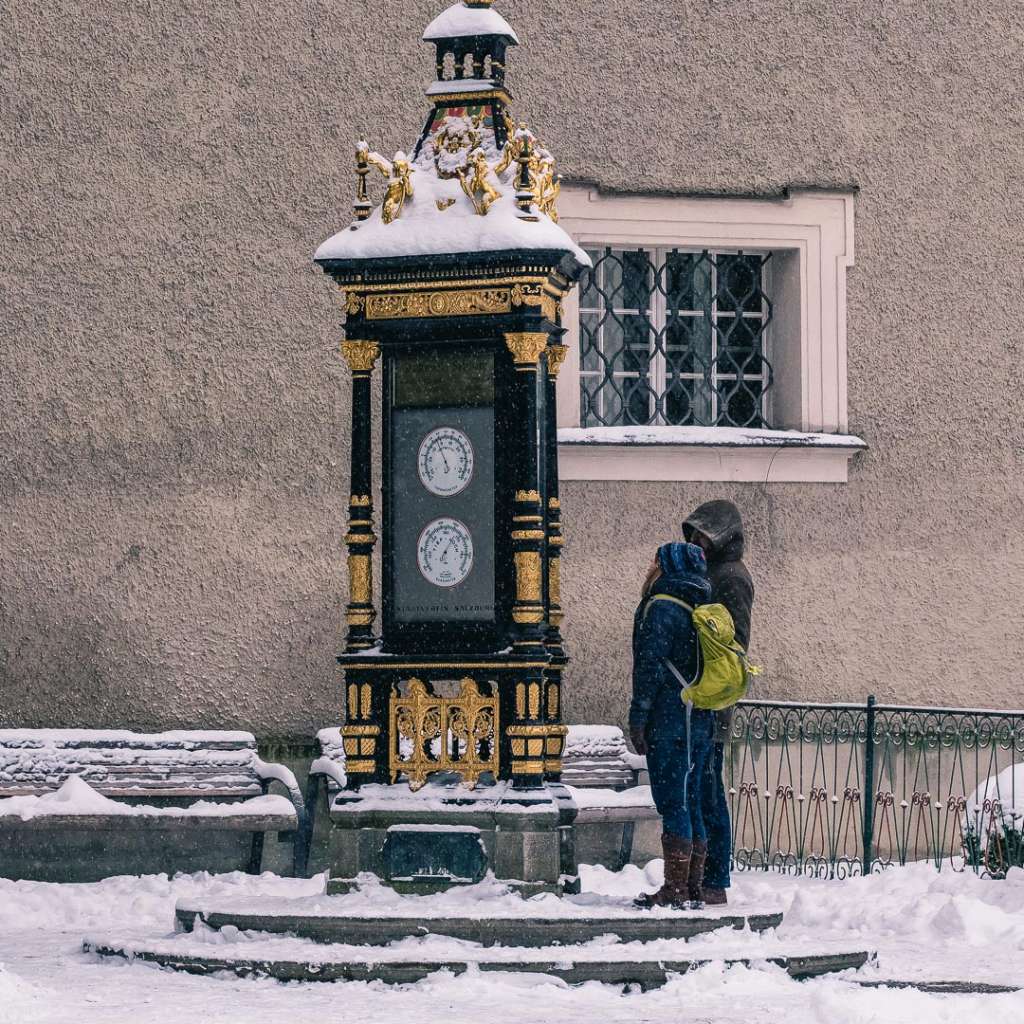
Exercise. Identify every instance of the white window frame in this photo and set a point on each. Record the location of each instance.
(811, 236)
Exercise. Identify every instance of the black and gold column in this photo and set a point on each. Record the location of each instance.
(555, 740)
(528, 535)
(360, 614)
(527, 732)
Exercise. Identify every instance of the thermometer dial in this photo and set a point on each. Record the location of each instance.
(444, 552)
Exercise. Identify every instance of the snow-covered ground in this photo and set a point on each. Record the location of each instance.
(924, 925)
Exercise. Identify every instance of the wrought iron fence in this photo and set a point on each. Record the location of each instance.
(842, 789)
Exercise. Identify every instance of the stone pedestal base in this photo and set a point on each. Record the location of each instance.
(445, 835)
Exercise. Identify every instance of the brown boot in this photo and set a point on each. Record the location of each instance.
(673, 893)
(715, 897)
(695, 882)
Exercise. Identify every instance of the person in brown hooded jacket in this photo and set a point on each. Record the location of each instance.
(717, 527)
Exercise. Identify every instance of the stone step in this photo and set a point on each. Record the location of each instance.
(312, 919)
(646, 973)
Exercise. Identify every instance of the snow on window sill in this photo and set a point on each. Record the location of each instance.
(705, 453)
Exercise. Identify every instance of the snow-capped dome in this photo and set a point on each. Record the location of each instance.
(472, 19)
(477, 180)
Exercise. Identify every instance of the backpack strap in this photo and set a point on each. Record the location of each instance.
(666, 597)
(672, 668)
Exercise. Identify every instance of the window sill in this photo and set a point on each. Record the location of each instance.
(704, 453)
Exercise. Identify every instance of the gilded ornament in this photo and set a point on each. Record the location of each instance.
(528, 577)
(547, 185)
(402, 305)
(556, 357)
(555, 581)
(481, 192)
(444, 204)
(360, 576)
(365, 699)
(353, 303)
(520, 700)
(360, 500)
(360, 355)
(399, 187)
(353, 701)
(552, 701)
(362, 204)
(528, 496)
(526, 348)
(360, 730)
(422, 719)
(532, 730)
(528, 535)
(534, 700)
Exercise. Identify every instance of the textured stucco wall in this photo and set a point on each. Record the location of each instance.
(173, 449)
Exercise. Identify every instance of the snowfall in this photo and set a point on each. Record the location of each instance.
(924, 924)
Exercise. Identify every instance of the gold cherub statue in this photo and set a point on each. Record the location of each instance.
(547, 186)
(399, 175)
(475, 184)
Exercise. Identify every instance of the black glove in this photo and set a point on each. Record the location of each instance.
(638, 739)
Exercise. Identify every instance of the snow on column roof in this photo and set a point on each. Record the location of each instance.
(460, 20)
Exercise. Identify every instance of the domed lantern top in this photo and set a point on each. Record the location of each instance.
(474, 39)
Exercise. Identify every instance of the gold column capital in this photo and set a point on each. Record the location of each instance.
(360, 355)
(526, 347)
(556, 356)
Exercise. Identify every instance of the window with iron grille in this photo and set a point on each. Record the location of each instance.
(675, 337)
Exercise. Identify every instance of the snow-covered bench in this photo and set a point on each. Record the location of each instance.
(598, 768)
(80, 804)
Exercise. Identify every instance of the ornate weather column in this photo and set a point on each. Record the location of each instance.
(454, 278)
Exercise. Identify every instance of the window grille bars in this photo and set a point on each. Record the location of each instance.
(672, 337)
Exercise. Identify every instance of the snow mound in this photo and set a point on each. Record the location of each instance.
(76, 797)
(1005, 789)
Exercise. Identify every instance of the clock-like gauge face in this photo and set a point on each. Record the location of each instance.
(444, 552)
(445, 461)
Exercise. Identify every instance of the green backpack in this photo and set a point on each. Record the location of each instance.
(725, 669)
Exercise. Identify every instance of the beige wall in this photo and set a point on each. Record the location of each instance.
(173, 451)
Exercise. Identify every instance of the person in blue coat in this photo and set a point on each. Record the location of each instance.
(677, 740)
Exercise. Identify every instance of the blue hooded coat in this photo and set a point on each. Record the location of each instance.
(663, 631)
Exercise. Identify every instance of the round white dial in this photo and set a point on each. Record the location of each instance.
(444, 552)
(445, 461)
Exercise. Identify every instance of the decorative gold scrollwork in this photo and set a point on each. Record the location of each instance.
(401, 305)
(438, 734)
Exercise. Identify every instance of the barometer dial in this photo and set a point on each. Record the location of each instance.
(445, 461)
(444, 552)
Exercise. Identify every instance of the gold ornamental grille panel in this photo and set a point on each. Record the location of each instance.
(431, 734)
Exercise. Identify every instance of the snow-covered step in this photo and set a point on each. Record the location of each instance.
(648, 965)
(339, 919)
